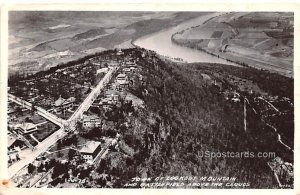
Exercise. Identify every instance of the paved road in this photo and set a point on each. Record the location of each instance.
(28, 156)
(44, 113)
(92, 96)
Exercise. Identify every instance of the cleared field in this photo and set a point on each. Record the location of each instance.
(36, 34)
(263, 40)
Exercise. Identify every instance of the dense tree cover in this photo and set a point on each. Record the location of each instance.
(185, 116)
(275, 84)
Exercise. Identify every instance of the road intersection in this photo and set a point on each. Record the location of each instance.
(28, 155)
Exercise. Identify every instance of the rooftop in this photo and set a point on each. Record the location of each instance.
(121, 76)
(11, 140)
(90, 117)
(61, 101)
(90, 147)
(25, 126)
(112, 92)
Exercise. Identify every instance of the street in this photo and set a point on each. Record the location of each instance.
(28, 156)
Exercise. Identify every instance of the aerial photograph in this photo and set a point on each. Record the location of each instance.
(150, 99)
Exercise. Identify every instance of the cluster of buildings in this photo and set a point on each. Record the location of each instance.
(117, 90)
(62, 104)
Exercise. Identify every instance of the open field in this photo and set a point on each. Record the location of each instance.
(263, 40)
(40, 40)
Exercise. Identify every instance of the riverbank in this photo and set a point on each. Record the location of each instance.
(227, 37)
(161, 43)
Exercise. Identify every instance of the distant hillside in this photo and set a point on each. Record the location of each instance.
(89, 34)
(140, 28)
(36, 35)
(258, 39)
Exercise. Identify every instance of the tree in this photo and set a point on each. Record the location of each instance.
(19, 111)
(28, 120)
(60, 154)
(71, 154)
(33, 108)
(59, 144)
(31, 168)
(40, 168)
(59, 169)
(75, 140)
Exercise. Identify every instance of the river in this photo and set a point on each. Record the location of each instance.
(161, 43)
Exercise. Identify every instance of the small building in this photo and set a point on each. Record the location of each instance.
(90, 150)
(11, 109)
(102, 70)
(112, 63)
(91, 121)
(121, 78)
(13, 155)
(236, 97)
(126, 70)
(130, 64)
(62, 104)
(99, 65)
(11, 118)
(113, 94)
(107, 107)
(122, 86)
(119, 52)
(107, 103)
(15, 144)
(132, 69)
(25, 128)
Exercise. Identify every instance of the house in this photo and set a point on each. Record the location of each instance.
(113, 94)
(130, 64)
(102, 70)
(11, 118)
(126, 70)
(121, 78)
(14, 144)
(122, 82)
(99, 65)
(122, 86)
(13, 155)
(113, 64)
(132, 69)
(62, 104)
(107, 107)
(10, 109)
(25, 128)
(107, 103)
(90, 150)
(119, 52)
(91, 121)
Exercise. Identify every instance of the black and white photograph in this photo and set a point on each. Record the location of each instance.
(150, 99)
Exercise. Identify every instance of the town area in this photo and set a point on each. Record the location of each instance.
(107, 118)
(41, 123)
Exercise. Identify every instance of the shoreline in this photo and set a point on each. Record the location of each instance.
(284, 72)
